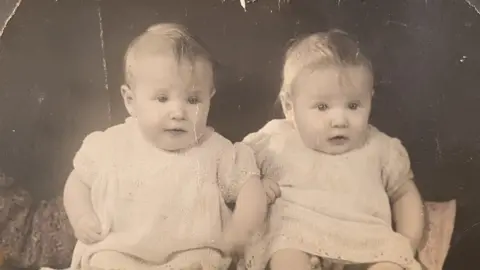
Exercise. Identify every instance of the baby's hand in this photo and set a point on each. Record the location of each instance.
(88, 229)
(272, 189)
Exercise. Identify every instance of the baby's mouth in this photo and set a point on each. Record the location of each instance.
(338, 140)
(175, 131)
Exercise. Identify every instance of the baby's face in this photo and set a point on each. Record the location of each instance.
(331, 107)
(171, 100)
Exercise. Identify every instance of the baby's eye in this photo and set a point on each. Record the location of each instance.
(162, 99)
(322, 107)
(353, 105)
(193, 100)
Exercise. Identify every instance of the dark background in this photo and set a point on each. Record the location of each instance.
(54, 88)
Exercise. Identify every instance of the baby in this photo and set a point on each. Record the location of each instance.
(151, 193)
(339, 176)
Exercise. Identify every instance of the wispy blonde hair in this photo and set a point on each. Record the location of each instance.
(334, 47)
(164, 38)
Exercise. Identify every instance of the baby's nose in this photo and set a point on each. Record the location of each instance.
(339, 120)
(177, 111)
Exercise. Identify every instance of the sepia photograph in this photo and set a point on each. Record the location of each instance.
(239, 134)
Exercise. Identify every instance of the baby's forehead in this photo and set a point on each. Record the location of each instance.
(174, 79)
(334, 82)
(339, 94)
(343, 76)
(165, 67)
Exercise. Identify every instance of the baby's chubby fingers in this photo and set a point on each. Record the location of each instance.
(272, 185)
(94, 236)
(88, 229)
(272, 189)
(88, 236)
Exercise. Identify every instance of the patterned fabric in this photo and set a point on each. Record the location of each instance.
(33, 235)
(439, 229)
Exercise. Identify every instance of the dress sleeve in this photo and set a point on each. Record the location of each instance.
(396, 166)
(259, 142)
(236, 166)
(88, 160)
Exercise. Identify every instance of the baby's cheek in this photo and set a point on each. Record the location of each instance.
(198, 114)
(312, 137)
(359, 120)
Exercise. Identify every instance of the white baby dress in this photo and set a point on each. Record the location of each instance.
(332, 206)
(155, 205)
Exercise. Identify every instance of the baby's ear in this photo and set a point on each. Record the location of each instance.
(128, 99)
(285, 99)
(287, 107)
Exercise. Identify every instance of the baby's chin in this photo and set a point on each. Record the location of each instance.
(179, 144)
(175, 146)
(330, 151)
(336, 149)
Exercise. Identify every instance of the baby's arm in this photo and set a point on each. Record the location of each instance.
(407, 204)
(76, 195)
(239, 179)
(79, 209)
(249, 214)
(408, 213)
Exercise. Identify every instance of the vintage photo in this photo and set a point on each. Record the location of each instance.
(239, 134)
